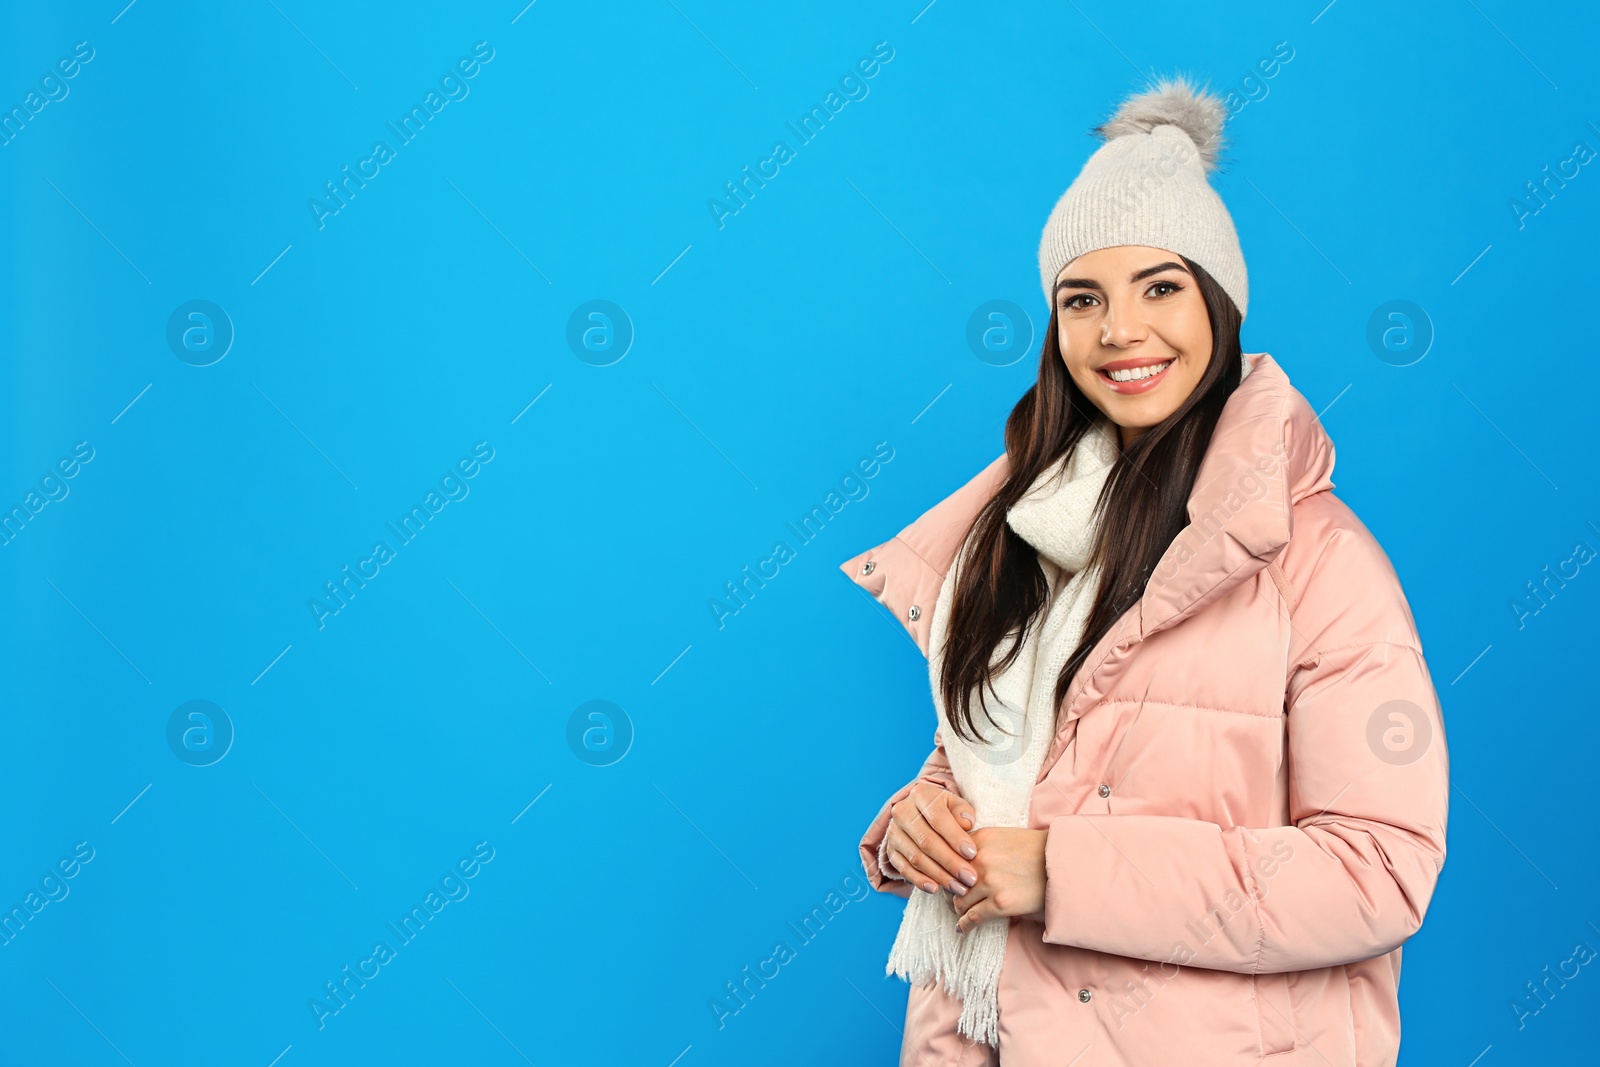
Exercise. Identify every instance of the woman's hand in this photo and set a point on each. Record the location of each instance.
(1010, 881)
(927, 838)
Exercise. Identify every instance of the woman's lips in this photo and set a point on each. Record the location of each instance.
(1142, 385)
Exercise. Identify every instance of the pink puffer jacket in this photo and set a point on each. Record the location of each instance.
(1247, 791)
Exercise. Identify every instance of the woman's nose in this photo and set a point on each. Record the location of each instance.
(1120, 327)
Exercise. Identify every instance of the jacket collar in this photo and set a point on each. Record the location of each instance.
(1268, 452)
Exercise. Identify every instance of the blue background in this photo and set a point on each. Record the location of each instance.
(767, 356)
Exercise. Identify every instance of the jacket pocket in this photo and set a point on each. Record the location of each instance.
(1275, 1010)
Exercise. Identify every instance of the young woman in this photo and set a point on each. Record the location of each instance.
(1189, 783)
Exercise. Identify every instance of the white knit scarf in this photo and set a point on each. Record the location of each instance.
(997, 776)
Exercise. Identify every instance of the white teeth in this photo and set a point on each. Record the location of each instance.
(1138, 372)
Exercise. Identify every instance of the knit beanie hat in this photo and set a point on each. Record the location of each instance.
(1147, 186)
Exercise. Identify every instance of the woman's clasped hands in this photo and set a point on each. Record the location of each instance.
(992, 872)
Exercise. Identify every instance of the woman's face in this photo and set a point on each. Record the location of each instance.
(1134, 309)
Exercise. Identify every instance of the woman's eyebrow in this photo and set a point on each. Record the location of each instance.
(1090, 283)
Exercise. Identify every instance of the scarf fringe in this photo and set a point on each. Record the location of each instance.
(928, 949)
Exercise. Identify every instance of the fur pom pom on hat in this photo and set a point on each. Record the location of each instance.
(1147, 185)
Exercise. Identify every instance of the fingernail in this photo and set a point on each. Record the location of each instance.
(969, 877)
(927, 887)
(958, 889)
(968, 851)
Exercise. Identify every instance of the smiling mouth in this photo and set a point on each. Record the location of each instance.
(1135, 374)
(1135, 381)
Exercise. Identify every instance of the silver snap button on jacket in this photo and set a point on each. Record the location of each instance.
(1083, 995)
(1105, 790)
(915, 613)
(869, 566)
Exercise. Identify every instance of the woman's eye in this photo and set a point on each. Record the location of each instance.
(1159, 289)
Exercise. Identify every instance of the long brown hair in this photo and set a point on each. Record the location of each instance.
(1001, 590)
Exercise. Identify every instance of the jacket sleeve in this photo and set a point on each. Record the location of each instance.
(1351, 877)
